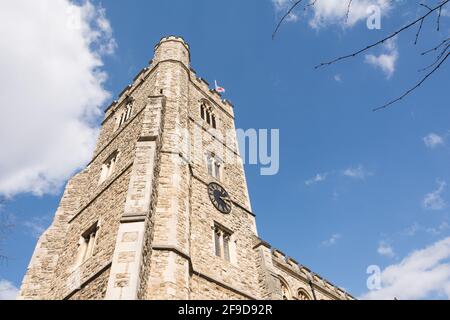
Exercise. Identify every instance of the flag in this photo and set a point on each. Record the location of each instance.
(219, 89)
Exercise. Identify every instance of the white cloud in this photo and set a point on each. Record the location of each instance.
(434, 200)
(332, 241)
(320, 177)
(335, 195)
(337, 78)
(385, 249)
(7, 290)
(411, 230)
(51, 90)
(325, 13)
(433, 140)
(331, 12)
(444, 226)
(282, 6)
(421, 274)
(386, 61)
(433, 230)
(359, 173)
(445, 12)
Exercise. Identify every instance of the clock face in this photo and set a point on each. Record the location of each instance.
(219, 197)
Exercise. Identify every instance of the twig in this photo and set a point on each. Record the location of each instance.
(347, 14)
(437, 47)
(439, 19)
(413, 88)
(418, 31)
(438, 58)
(284, 17)
(394, 34)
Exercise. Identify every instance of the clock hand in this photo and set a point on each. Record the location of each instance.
(225, 199)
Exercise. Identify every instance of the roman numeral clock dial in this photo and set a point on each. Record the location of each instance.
(219, 198)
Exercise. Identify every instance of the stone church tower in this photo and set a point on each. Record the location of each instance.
(162, 211)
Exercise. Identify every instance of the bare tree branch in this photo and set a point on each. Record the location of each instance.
(418, 31)
(347, 14)
(285, 16)
(384, 40)
(415, 87)
(439, 19)
(438, 58)
(437, 47)
(441, 57)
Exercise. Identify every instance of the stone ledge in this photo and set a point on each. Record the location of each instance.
(88, 280)
(100, 192)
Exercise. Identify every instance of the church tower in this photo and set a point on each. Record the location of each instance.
(162, 210)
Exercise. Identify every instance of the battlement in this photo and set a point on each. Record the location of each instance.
(173, 38)
(198, 81)
(205, 86)
(304, 272)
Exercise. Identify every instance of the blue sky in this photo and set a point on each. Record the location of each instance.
(355, 188)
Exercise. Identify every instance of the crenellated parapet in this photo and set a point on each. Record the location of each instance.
(297, 276)
(202, 84)
(212, 94)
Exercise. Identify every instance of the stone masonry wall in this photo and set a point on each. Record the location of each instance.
(38, 279)
(99, 203)
(171, 221)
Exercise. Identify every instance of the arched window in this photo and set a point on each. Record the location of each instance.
(214, 165)
(125, 115)
(285, 291)
(223, 243)
(207, 115)
(108, 167)
(210, 162)
(86, 245)
(203, 111)
(129, 110)
(217, 167)
(303, 295)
